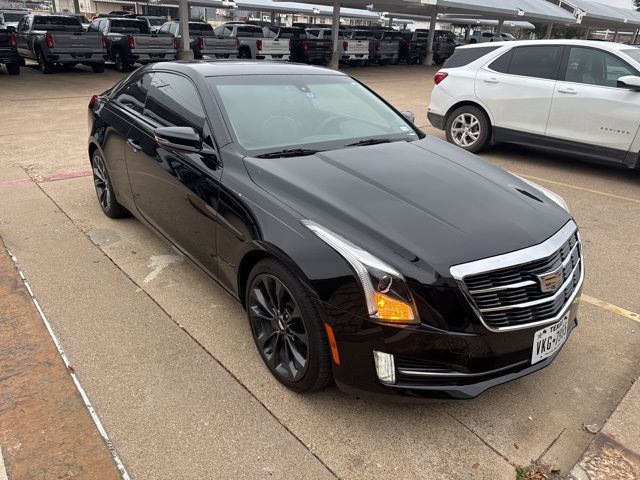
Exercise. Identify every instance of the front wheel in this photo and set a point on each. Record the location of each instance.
(104, 189)
(287, 328)
(468, 127)
(244, 53)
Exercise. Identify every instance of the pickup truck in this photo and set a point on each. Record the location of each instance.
(486, 36)
(414, 46)
(303, 48)
(11, 17)
(204, 42)
(384, 46)
(129, 41)
(353, 46)
(154, 23)
(9, 51)
(252, 42)
(58, 39)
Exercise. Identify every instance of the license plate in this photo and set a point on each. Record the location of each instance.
(548, 341)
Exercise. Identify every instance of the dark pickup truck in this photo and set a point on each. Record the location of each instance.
(203, 41)
(303, 47)
(414, 46)
(384, 46)
(130, 41)
(59, 39)
(9, 51)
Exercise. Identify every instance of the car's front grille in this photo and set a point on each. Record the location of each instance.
(507, 291)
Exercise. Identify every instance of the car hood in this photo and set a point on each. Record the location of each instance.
(426, 201)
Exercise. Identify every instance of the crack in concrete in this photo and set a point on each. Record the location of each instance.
(553, 442)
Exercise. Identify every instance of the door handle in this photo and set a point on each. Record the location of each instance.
(491, 80)
(135, 146)
(569, 91)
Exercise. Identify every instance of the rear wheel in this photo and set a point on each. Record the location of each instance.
(13, 68)
(468, 127)
(287, 328)
(244, 53)
(45, 67)
(121, 62)
(104, 189)
(97, 67)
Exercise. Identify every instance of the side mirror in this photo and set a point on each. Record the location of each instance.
(409, 116)
(179, 139)
(631, 82)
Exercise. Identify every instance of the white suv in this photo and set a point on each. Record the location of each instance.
(574, 96)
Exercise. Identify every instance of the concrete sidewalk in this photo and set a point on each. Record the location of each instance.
(45, 428)
(614, 453)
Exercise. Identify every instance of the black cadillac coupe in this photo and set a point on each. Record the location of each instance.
(363, 251)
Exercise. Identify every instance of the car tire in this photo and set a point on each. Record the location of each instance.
(104, 189)
(45, 67)
(469, 128)
(13, 68)
(97, 67)
(244, 53)
(121, 63)
(273, 296)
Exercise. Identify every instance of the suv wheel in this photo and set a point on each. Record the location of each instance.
(468, 127)
(45, 67)
(287, 328)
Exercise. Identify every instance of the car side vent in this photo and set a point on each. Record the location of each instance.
(530, 195)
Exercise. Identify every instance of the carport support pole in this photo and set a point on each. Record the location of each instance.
(428, 59)
(549, 31)
(500, 25)
(587, 32)
(185, 52)
(634, 39)
(615, 35)
(335, 31)
(391, 22)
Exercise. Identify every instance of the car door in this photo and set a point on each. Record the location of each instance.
(176, 192)
(518, 86)
(22, 37)
(588, 107)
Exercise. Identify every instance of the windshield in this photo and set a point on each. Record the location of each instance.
(270, 112)
(633, 53)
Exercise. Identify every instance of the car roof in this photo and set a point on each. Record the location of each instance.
(241, 67)
(585, 43)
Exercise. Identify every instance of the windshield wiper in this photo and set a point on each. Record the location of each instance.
(369, 141)
(289, 152)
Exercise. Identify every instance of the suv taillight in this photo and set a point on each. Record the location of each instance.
(48, 39)
(259, 44)
(13, 40)
(175, 42)
(345, 46)
(132, 41)
(201, 43)
(105, 43)
(439, 77)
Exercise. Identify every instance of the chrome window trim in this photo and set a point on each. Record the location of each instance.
(519, 257)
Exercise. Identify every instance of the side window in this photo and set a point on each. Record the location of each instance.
(134, 95)
(535, 61)
(173, 101)
(464, 56)
(104, 26)
(218, 31)
(93, 27)
(595, 67)
(228, 32)
(487, 34)
(174, 29)
(164, 28)
(501, 64)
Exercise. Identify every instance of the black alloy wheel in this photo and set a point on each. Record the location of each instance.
(286, 328)
(121, 64)
(104, 190)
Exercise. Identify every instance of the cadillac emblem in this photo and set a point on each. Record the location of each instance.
(552, 281)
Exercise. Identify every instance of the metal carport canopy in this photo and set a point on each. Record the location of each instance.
(595, 14)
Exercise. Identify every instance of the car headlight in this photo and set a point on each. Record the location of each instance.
(387, 295)
(554, 197)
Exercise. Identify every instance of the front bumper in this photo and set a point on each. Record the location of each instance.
(442, 364)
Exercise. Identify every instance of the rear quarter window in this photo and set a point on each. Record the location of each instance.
(464, 56)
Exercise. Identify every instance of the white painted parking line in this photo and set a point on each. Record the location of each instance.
(96, 420)
(3, 470)
(612, 308)
(584, 189)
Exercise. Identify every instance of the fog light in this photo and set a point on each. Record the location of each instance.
(385, 367)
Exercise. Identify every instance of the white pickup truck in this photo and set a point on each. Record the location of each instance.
(252, 42)
(353, 45)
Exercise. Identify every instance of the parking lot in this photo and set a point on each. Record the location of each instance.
(167, 358)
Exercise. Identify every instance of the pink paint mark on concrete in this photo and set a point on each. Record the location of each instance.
(52, 178)
(14, 183)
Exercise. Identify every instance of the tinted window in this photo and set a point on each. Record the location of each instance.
(247, 31)
(129, 26)
(595, 67)
(173, 101)
(164, 28)
(134, 95)
(464, 56)
(12, 17)
(536, 62)
(94, 26)
(56, 22)
(289, 32)
(200, 27)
